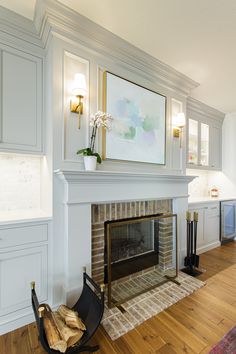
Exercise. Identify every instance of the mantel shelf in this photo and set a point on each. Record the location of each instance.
(72, 176)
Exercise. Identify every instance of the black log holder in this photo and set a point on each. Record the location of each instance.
(90, 307)
(191, 261)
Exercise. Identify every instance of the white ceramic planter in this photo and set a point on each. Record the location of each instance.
(90, 163)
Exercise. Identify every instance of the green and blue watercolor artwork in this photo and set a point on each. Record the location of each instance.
(138, 128)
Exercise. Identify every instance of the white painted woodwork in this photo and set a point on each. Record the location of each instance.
(21, 100)
(216, 147)
(17, 270)
(204, 114)
(82, 189)
(24, 257)
(208, 227)
(20, 236)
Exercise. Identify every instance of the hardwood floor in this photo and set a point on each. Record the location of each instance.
(192, 325)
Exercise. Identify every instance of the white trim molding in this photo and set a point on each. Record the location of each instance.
(52, 16)
(201, 108)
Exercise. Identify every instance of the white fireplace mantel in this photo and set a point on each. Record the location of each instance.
(104, 186)
(78, 190)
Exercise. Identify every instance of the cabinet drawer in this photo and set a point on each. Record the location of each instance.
(213, 210)
(16, 236)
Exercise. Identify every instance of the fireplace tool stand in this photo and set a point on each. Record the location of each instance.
(191, 261)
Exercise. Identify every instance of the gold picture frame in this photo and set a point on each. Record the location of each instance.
(144, 151)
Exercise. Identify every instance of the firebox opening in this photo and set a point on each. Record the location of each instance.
(131, 245)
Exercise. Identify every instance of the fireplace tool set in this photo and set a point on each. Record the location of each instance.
(191, 261)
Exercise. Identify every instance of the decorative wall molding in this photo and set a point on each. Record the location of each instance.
(201, 108)
(52, 16)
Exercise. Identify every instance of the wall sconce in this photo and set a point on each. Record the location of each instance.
(178, 123)
(79, 90)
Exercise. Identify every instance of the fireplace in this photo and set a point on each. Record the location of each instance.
(86, 200)
(131, 245)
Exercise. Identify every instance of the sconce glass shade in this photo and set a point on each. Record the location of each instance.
(79, 87)
(178, 121)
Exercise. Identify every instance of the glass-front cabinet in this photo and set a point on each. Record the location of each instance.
(193, 142)
(204, 136)
(204, 144)
(198, 143)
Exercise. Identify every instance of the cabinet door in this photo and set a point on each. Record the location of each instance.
(212, 224)
(193, 141)
(17, 270)
(216, 142)
(204, 144)
(21, 101)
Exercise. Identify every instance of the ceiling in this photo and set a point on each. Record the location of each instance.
(196, 37)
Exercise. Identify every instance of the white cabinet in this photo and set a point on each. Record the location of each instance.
(17, 270)
(21, 101)
(212, 224)
(23, 258)
(208, 225)
(204, 131)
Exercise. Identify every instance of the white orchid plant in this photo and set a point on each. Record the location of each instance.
(99, 119)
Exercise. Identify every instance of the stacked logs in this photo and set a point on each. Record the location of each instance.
(63, 328)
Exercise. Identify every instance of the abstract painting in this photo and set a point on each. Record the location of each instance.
(138, 130)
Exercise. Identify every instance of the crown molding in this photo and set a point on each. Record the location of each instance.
(53, 17)
(201, 108)
(18, 30)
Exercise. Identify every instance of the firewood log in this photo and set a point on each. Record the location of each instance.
(71, 318)
(70, 335)
(53, 336)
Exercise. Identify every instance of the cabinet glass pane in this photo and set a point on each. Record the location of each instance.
(204, 144)
(193, 142)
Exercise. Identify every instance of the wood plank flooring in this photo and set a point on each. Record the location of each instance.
(192, 325)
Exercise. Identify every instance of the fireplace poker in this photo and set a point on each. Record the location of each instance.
(188, 219)
(196, 257)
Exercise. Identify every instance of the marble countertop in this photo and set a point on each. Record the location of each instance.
(195, 200)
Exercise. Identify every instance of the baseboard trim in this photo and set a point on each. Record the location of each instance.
(208, 247)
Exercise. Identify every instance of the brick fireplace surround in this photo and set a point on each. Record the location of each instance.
(78, 194)
(116, 211)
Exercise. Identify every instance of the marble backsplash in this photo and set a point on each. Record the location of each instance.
(205, 180)
(19, 182)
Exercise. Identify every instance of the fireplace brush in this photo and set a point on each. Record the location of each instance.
(191, 261)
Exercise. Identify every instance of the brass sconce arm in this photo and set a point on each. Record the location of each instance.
(76, 106)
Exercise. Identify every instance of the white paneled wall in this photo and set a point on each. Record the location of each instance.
(19, 182)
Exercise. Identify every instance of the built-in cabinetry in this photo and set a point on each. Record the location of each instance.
(21, 101)
(208, 225)
(23, 258)
(204, 136)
